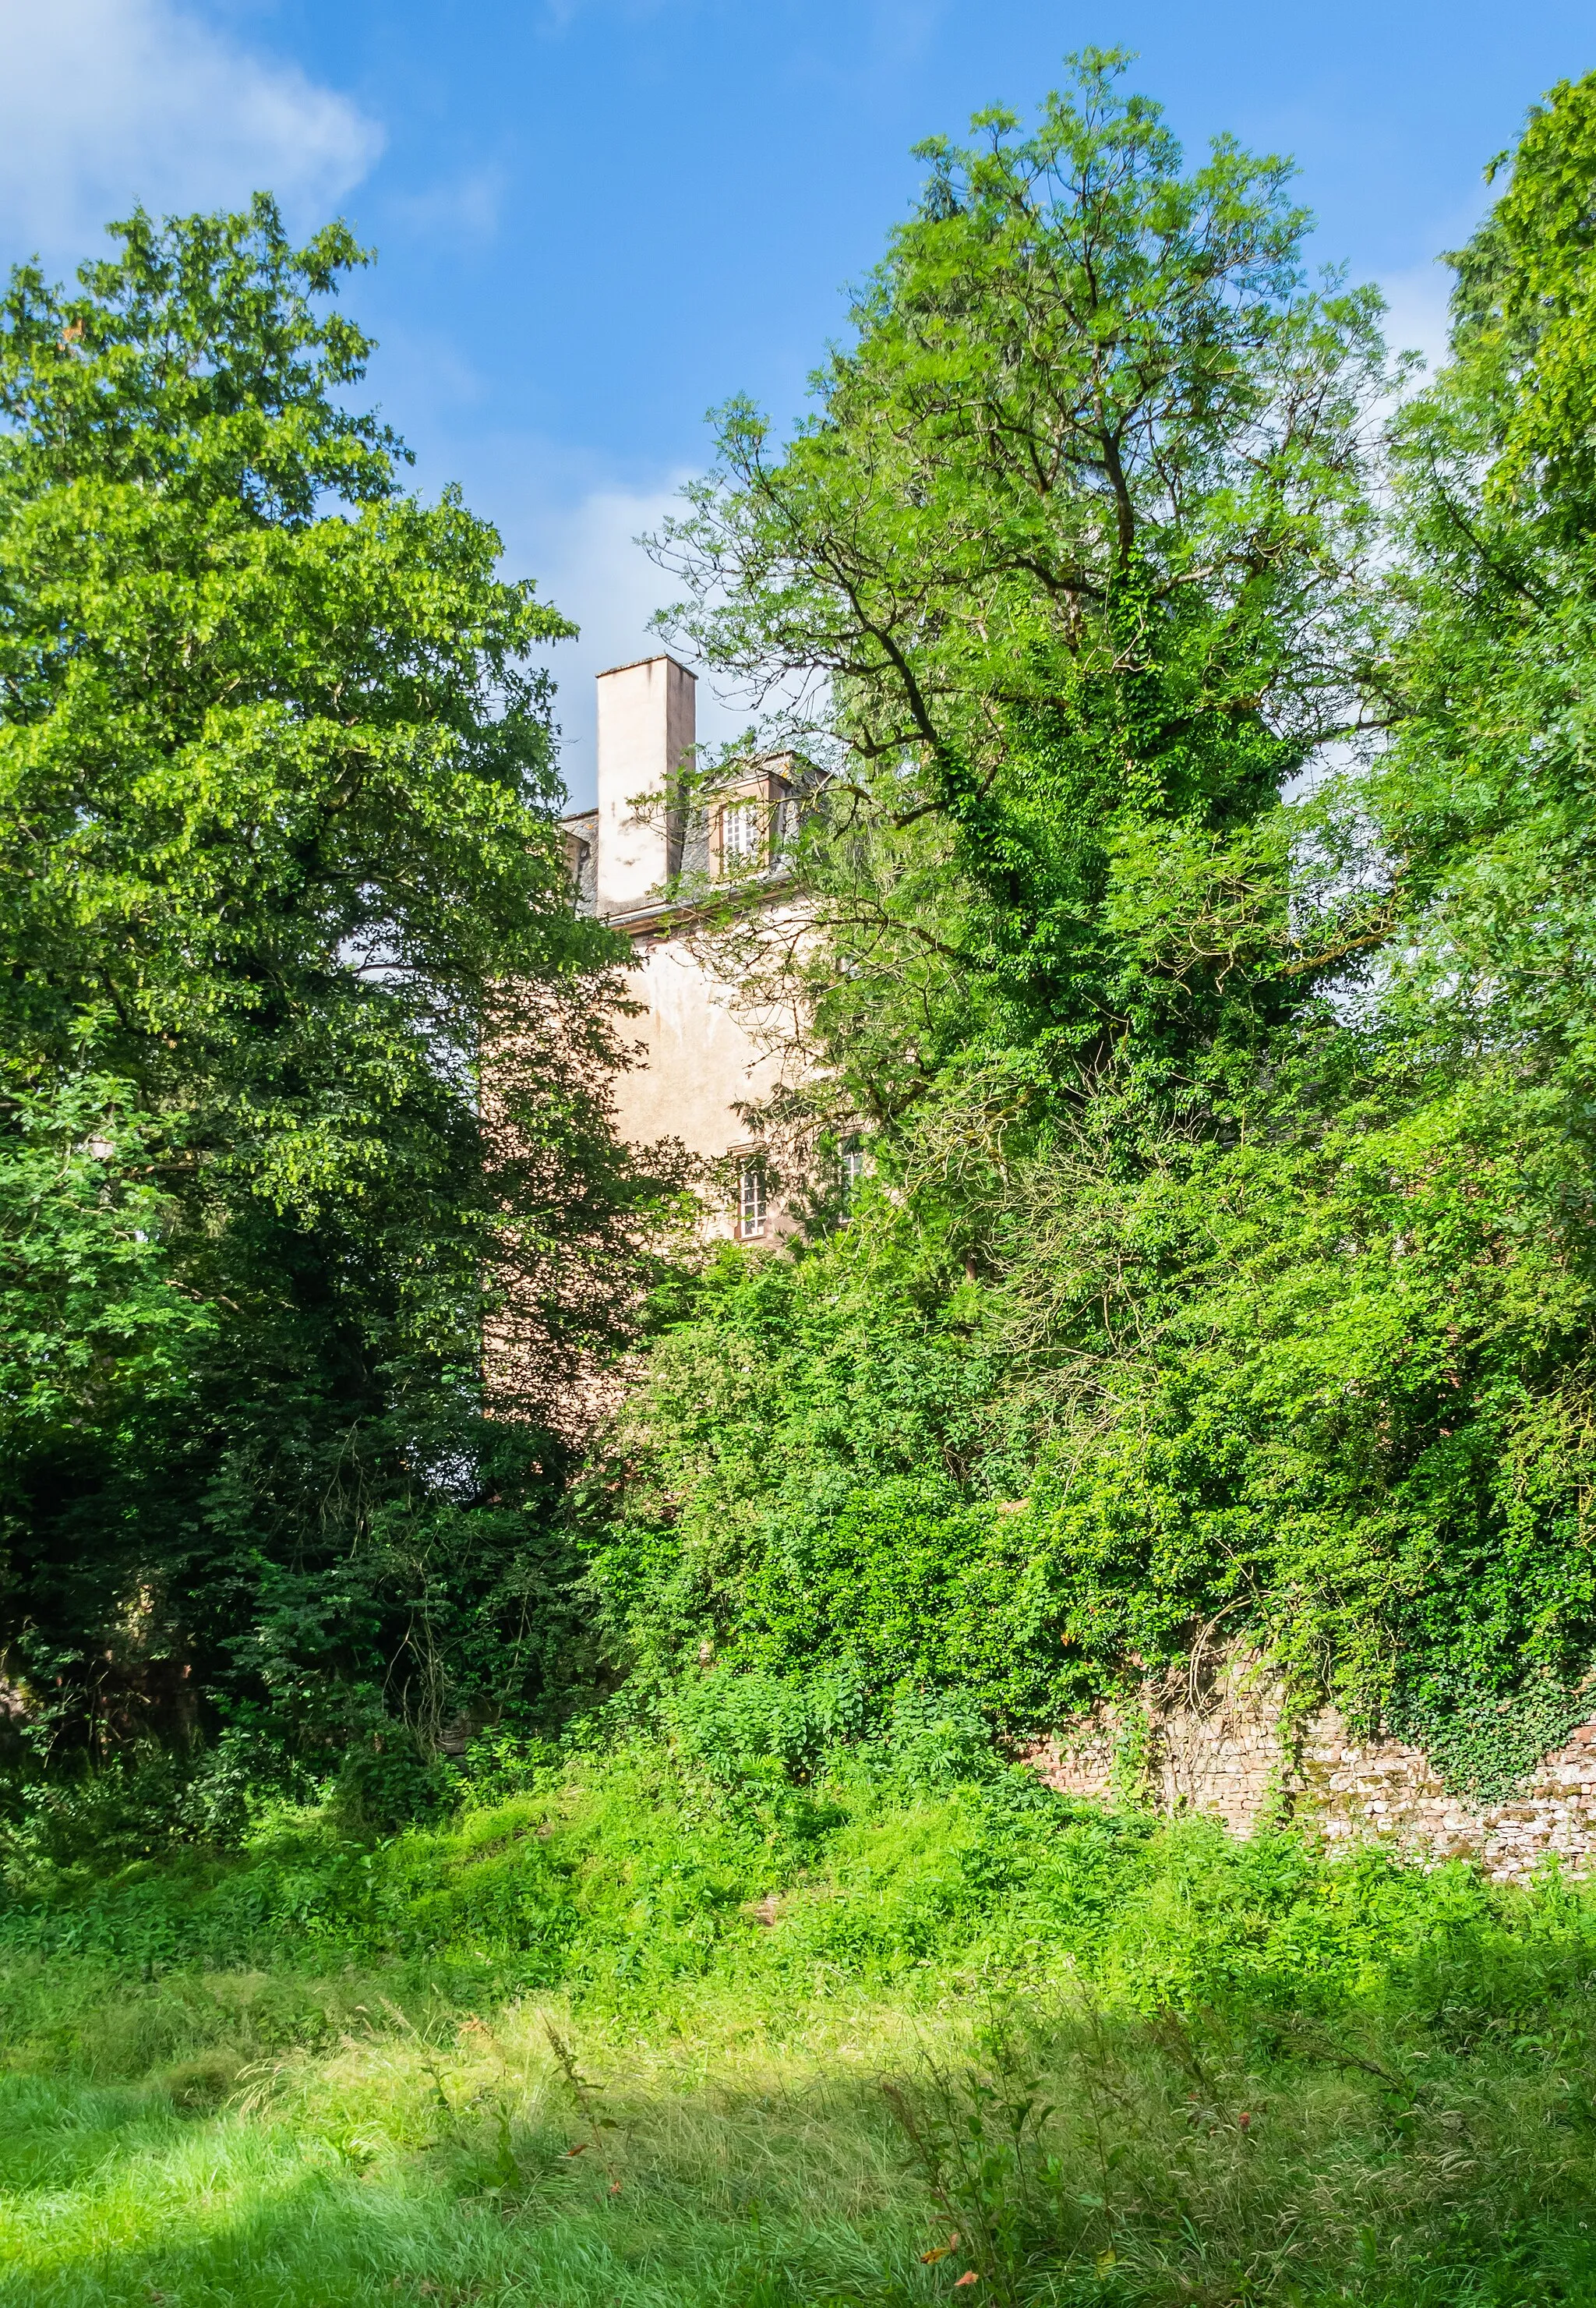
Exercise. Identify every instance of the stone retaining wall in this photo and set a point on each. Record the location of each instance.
(1224, 1745)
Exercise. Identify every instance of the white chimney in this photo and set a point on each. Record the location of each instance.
(646, 724)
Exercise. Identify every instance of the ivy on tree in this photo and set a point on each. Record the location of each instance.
(1230, 1269)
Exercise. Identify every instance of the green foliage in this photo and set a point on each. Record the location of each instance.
(791, 1488)
(1051, 546)
(280, 859)
(1525, 311)
(1233, 1144)
(1224, 1269)
(253, 741)
(91, 1318)
(1483, 800)
(958, 2023)
(1309, 1386)
(626, 1877)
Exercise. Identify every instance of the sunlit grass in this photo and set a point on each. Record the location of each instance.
(521, 2156)
(1128, 2068)
(463, 2160)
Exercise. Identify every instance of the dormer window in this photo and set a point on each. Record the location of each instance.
(581, 844)
(742, 829)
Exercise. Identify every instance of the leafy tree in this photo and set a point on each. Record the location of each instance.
(1057, 572)
(279, 860)
(1484, 802)
(91, 1318)
(1063, 574)
(1481, 811)
(1235, 1149)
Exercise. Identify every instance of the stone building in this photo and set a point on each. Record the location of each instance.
(669, 875)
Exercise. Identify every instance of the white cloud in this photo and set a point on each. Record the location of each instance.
(587, 562)
(1417, 317)
(107, 103)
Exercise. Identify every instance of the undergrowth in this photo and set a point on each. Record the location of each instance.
(620, 2029)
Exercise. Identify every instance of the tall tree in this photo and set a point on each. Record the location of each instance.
(1282, 1314)
(1479, 814)
(277, 838)
(1063, 580)
(1058, 574)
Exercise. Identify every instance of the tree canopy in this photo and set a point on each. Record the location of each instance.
(1060, 566)
(1201, 933)
(279, 859)
(1191, 926)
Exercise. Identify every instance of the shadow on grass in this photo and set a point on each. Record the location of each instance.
(1084, 2160)
(110, 2196)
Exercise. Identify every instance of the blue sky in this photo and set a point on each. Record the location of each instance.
(596, 218)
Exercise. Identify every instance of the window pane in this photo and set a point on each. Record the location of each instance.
(741, 837)
(750, 1200)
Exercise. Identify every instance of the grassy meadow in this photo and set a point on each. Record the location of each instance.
(612, 2036)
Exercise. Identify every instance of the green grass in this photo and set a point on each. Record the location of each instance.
(620, 2038)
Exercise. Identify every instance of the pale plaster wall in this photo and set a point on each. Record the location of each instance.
(698, 1058)
(1230, 1749)
(698, 1055)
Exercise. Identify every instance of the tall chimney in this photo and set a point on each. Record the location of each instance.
(646, 723)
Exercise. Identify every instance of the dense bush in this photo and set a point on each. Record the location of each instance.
(1227, 1267)
(622, 1874)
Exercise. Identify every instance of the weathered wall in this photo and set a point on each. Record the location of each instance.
(698, 1060)
(1226, 1745)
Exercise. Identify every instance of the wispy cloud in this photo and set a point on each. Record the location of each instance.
(466, 207)
(583, 550)
(105, 103)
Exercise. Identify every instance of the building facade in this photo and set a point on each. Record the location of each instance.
(671, 876)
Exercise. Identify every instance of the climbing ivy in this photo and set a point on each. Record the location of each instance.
(1233, 1139)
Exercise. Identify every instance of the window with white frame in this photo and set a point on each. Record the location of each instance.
(750, 1200)
(741, 839)
(852, 1170)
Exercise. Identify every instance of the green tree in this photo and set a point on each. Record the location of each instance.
(1064, 574)
(1235, 1250)
(278, 861)
(1343, 1394)
(1058, 575)
(1480, 812)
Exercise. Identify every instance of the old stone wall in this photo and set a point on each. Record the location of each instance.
(1225, 1744)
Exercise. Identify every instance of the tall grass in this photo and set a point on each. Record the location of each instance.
(619, 2037)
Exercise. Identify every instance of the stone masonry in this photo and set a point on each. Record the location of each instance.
(1227, 1745)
